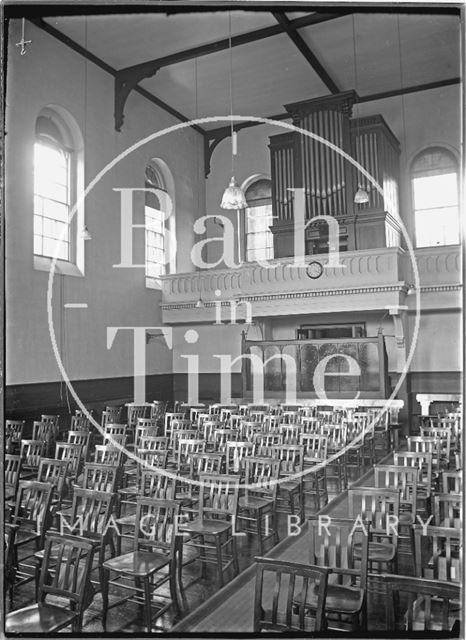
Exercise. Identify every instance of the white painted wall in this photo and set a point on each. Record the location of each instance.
(51, 73)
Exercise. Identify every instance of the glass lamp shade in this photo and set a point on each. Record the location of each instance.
(361, 196)
(200, 304)
(85, 235)
(233, 197)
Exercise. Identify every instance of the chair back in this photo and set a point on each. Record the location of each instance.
(205, 463)
(282, 593)
(32, 451)
(136, 411)
(56, 472)
(438, 552)
(12, 469)
(156, 459)
(101, 477)
(404, 479)
(80, 423)
(81, 437)
(291, 459)
(153, 443)
(73, 453)
(380, 507)
(452, 482)
(45, 431)
(448, 510)
(333, 542)
(236, 454)
(66, 570)
(156, 525)
(111, 415)
(430, 605)
(32, 509)
(157, 485)
(90, 512)
(106, 454)
(261, 476)
(315, 447)
(420, 461)
(218, 495)
(186, 449)
(13, 434)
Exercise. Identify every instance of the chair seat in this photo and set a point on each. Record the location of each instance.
(378, 551)
(292, 625)
(340, 598)
(205, 526)
(25, 536)
(254, 502)
(137, 563)
(38, 618)
(289, 486)
(127, 520)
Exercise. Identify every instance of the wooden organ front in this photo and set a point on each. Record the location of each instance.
(329, 180)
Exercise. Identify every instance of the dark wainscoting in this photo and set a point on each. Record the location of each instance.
(209, 386)
(28, 401)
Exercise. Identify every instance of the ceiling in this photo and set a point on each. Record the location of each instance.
(370, 51)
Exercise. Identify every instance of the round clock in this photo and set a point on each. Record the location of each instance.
(314, 269)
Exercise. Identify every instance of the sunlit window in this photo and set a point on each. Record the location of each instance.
(435, 198)
(259, 219)
(155, 225)
(51, 192)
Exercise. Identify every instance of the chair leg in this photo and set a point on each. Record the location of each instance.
(258, 515)
(218, 553)
(147, 607)
(105, 579)
(172, 582)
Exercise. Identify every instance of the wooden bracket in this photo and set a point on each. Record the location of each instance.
(214, 138)
(125, 81)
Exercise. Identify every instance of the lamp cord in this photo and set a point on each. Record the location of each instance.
(356, 89)
(401, 84)
(231, 97)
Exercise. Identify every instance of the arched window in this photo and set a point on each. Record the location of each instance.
(434, 180)
(155, 222)
(259, 238)
(53, 190)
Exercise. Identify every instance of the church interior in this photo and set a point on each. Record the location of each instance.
(232, 386)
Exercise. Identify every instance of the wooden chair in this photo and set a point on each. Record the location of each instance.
(55, 472)
(423, 463)
(452, 482)
(101, 477)
(405, 480)
(290, 496)
(89, 518)
(211, 532)
(45, 431)
(169, 417)
(438, 553)
(65, 574)
(315, 480)
(448, 510)
(12, 471)
(156, 551)
(33, 516)
(336, 442)
(10, 566)
(380, 507)
(236, 455)
(82, 438)
(428, 605)
(281, 594)
(152, 484)
(223, 436)
(32, 451)
(186, 448)
(332, 544)
(80, 422)
(111, 415)
(73, 454)
(257, 507)
(106, 454)
(13, 435)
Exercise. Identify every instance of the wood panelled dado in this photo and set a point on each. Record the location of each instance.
(369, 353)
(330, 181)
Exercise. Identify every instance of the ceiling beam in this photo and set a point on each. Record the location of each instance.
(236, 41)
(225, 131)
(45, 26)
(308, 54)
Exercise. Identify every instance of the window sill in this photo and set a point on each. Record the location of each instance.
(153, 283)
(42, 263)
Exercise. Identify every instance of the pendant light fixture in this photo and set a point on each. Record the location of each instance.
(361, 196)
(233, 196)
(200, 303)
